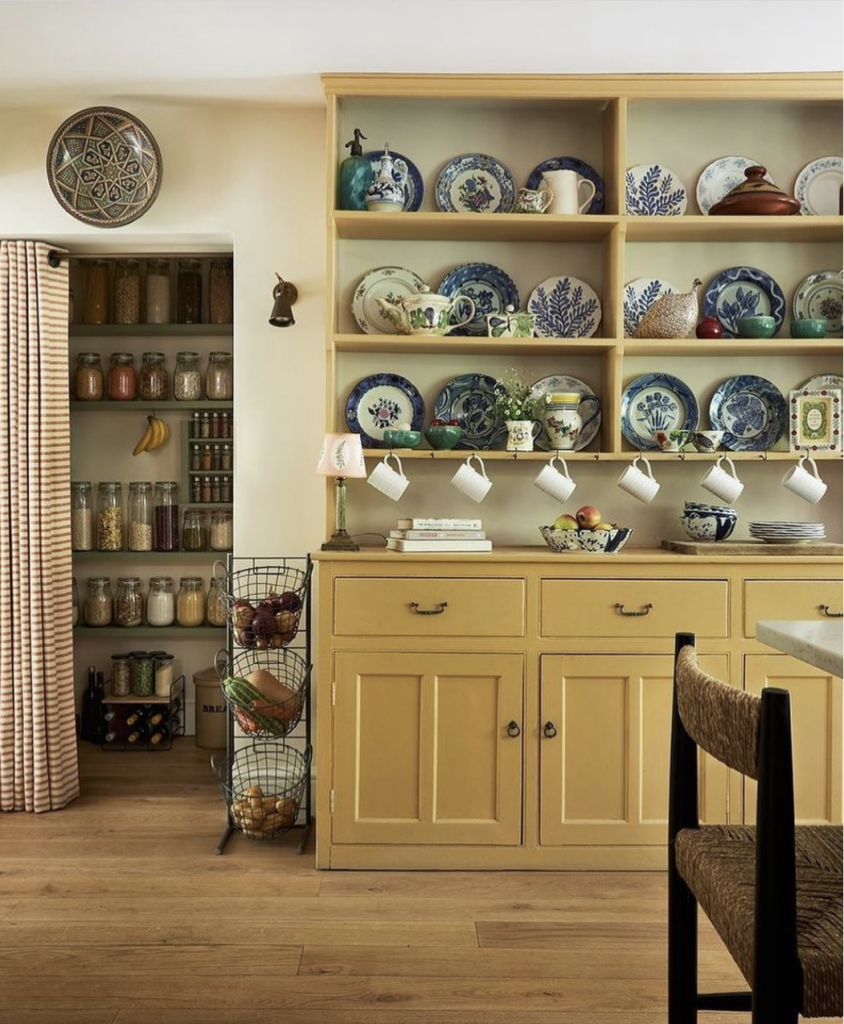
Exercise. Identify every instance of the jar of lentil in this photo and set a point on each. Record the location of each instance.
(161, 601)
(95, 309)
(74, 595)
(218, 377)
(99, 603)
(158, 292)
(163, 663)
(139, 516)
(110, 517)
(190, 603)
(128, 602)
(122, 379)
(194, 531)
(127, 292)
(216, 605)
(141, 674)
(121, 675)
(226, 458)
(220, 292)
(88, 382)
(221, 530)
(189, 293)
(187, 381)
(81, 516)
(165, 516)
(154, 382)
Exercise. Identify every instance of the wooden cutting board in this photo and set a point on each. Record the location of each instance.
(752, 547)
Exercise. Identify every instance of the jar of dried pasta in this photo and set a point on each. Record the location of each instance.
(110, 517)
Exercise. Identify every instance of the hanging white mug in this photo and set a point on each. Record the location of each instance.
(722, 484)
(472, 482)
(639, 483)
(556, 482)
(568, 187)
(386, 480)
(806, 485)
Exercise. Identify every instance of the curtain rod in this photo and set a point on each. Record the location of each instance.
(55, 258)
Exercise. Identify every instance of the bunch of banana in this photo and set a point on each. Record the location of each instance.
(154, 436)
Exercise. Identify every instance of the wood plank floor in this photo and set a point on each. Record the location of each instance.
(117, 911)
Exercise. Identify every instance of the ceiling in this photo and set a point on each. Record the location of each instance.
(273, 52)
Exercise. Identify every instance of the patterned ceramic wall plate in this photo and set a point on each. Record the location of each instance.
(104, 167)
(570, 163)
(475, 183)
(820, 295)
(380, 402)
(721, 177)
(414, 188)
(489, 287)
(639, 296)
(823, 380)
(387, 284)
(589, 410)
(565, 307)
(818, 187)
(656, 401)
(470, 399)
(743, 291)
(653, 191)
(751, 410)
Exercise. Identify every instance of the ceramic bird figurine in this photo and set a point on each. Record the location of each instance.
(672, 316)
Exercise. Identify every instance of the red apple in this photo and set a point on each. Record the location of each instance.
(709, 327)
(588, 516)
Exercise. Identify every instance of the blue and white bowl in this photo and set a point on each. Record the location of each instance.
(605, 542)
(709, 524)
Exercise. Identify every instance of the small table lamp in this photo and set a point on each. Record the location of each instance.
(341, 456)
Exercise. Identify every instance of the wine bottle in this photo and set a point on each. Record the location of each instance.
(159, 734)
(137, 717)
(137, 733)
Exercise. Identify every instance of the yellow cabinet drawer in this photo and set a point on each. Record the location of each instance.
(429, 607)
(633, 608)
(790, 599)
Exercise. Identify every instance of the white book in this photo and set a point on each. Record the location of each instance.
(398, 544)
(438, 534)
(439, 524)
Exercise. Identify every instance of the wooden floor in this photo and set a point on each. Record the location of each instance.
(117, 911)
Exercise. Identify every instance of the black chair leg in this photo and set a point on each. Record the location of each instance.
(682, 951)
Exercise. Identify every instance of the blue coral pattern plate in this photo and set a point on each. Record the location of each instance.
(489, 287)
(656, 402)
(414, 188)
(751, 410)
(475, 183)
(743, 291)
(654, 191)
(639, 296)
(565, 307)
(469, 398)
(570, 163)
(721, 177)
(380, 402)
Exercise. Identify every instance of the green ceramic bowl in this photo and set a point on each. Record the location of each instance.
(809, 328)
(757, 327)
(443, 437)
(403, 438)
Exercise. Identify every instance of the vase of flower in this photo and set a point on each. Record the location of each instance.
(516, 404)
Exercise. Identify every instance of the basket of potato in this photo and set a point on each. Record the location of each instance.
(265, 690)
(265, 603)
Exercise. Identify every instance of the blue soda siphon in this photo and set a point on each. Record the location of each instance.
(355, 176)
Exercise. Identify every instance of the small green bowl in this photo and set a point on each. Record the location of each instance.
(444, 437)
(403, 438)
(809, 328)
(757, 327)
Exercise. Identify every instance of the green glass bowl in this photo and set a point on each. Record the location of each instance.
(403, 438)
(444, 437)
(757, 327)
(809, 328)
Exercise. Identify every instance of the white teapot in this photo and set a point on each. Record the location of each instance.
(426, 312)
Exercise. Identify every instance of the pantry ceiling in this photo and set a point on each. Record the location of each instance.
(273, 52)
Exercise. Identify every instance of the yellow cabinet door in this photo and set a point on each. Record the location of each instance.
(605, 734)
(427, 748)
(815, 730)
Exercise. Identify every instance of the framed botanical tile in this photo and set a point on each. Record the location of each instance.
(814, 420)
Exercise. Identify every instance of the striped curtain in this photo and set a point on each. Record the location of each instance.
(38, 762)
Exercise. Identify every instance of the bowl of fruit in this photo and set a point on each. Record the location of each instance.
(443, 434)
(586, 530)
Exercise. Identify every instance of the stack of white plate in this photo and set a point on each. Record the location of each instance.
(787, 533)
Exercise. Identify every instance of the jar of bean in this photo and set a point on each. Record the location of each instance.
(142, 674)
(127, 292)
(190, 603)
(161, 601)
(165, 516)
(189, 293)
(220, 292)
(88, 382)
(110, 517)
(81, 516)
(99, 603)
(139, 516)
(221, 530)
(121, 675)
(187, 381)
(158, 292)
(96, 292)
(128, 602)
(216, 605)
(194, 531)
(154, 383)
(122, 379)
(218, 377)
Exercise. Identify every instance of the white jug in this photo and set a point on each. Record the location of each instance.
(566, 186)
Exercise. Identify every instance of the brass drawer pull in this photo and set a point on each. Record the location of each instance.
(513, 730)
(429, 611)
(831, 615)
(549, 731)
(644, 610)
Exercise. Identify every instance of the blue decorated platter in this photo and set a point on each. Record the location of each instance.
(656, 402)
(818, 186)
(565, 307)
(820, 295)
(721, 177)
(414, 188)
(743, 291)
(475, 183)
(653, 191)
(570, 163)
(639, 296)
(489, 287)
(751, 410)
(590, 409)
(380, 402)
(469, 398)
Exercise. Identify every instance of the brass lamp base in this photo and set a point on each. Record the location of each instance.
(340, 541)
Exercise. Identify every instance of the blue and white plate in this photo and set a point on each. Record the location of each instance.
(639, 296)
(590, 410)
(656, 402)
(470, 399)
(653, 191)
(818, 186)
(475, 183)
(414, 188)
(570, 163)
(820, 295)
(743, 291)
(380, 402)
(489, 287)
(721, 177)
(565, 307)
(751, 410)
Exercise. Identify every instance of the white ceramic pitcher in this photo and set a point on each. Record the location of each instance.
(567, 187)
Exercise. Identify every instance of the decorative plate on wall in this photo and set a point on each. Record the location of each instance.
(104, 167)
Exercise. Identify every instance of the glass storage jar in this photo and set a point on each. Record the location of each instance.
(88, 381)
(95, 309)
(194, 531)
(121, 675)
(110, 517)
(139, 516)
(189, 293)
(165, 515)
(127, 292)
(154, 383)
(216, 604)
(128, 602)
(161, 601)
(122, 379)
(190, 603)
(187, 381)
(158, 291)
(164, 674)
(221, 530)
(81, 515)
(141, 673)
(218, 377)
(99, 603)
(220, 292)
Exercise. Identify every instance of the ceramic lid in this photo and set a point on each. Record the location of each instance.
(756, 196)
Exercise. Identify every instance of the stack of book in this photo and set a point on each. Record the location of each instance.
(438, 535)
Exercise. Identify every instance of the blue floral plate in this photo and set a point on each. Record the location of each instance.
(470, 399)
(570, 163)
(414, 189)
(653, 191)
(487, 286)
(475, 183)
(743, 291)
(565, 307)
(639, 296)
(656, 401)
(380, 402)
(751, 410)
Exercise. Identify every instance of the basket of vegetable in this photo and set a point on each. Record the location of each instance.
(265, 603)
(265, 690)
(263, 785)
